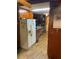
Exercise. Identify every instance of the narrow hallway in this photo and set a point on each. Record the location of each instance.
(37, 51)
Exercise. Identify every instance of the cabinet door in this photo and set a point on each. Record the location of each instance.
(54, 44)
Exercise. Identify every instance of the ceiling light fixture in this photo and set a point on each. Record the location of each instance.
(42, 9)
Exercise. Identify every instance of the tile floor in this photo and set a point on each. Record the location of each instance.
(38, 51)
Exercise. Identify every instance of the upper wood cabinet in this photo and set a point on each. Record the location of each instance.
(27, 15)
(25, 9)
(25, 3)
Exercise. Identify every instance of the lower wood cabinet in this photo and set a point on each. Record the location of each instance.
(54, 44)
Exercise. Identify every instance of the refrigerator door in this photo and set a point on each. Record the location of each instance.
(31, 32)
(29, 27)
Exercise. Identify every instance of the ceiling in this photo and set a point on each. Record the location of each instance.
(41, 8)
(44, 5)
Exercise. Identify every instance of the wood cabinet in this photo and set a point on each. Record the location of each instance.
(54, 44)
(25, 9)
(24, 3)
(27, 15)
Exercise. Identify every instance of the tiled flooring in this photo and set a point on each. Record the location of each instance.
(38, 51)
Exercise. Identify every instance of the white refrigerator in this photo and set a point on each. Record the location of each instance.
(27, 33)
